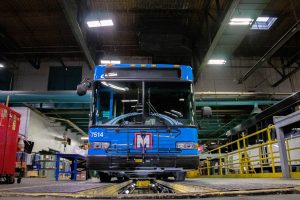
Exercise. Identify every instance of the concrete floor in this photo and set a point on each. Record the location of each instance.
(42, 185)
(37, 185)
(244, 183)
(264, 197)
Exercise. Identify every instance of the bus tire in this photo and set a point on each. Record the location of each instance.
(105, 178)
(179, 176)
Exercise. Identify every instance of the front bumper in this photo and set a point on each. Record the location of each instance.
(125, 163)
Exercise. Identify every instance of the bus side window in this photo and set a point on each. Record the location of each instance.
(103, 113)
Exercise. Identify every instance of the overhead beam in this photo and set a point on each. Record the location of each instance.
(283, 40)
(228, 38)
(218, 36)
(235, 103)
(69, 8)
(287, 76)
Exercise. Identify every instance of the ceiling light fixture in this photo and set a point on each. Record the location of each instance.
(1, 65)
(263, 23)
(115, 62)
(105, 62)
(93, 24)
(107, 22)
(99, 23)
(240, 21)
(262, 19)
(216, 62)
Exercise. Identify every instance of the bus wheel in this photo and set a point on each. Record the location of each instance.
(120, 179)
(105, 178)
(179, 176)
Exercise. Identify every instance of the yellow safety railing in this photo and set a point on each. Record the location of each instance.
(252, 155)
(293, 153)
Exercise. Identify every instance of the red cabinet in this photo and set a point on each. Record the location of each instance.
(9, 129)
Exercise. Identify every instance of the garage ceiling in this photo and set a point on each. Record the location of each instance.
(169, 31)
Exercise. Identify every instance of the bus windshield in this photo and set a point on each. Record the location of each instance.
(142, 103)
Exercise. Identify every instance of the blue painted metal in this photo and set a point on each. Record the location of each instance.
(161, 139)
(186, 71)
(123, 140)
(111, 104)
(74, 158)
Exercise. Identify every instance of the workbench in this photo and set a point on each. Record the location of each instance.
(74, 158)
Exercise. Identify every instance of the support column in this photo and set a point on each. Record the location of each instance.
(282, 152)
(281, 122)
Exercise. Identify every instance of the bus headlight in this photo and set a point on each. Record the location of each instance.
(101, 145)
(185, 145)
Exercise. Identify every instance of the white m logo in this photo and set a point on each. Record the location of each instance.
(143, 140)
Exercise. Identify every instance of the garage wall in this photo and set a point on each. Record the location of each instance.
(223, 78)
(29, 78)
(212, 78)
(43, 135)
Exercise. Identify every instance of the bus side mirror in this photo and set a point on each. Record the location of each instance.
(83, 87)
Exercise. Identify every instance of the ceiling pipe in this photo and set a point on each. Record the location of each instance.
(234, 102)
(44, 97)
(244, 93)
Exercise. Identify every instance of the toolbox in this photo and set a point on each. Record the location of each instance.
(9, 129)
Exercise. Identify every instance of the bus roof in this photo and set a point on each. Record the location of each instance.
(186, 71)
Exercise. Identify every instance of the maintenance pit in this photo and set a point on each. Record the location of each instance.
(149, 188)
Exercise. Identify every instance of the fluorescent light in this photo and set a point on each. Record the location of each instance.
(181, 99)
(263, 23)
(98, 23)
(84, 138)
(1, 65)
(107, 22)
(93, 24)
(105, 62)
(240, 21)
(216, 62)
(262, 19)
(115, 62)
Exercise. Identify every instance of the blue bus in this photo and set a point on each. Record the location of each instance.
(142, 121)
